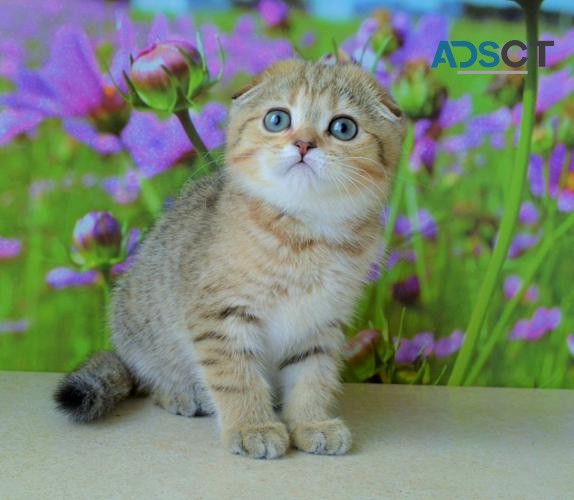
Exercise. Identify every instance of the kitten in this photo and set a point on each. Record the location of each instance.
(235, 301)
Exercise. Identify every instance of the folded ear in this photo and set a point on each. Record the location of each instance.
(245, 91)
(390, 108)
(330, 59)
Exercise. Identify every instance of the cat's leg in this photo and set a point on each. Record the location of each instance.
(310, 381)
(227, 350)
(187, 398)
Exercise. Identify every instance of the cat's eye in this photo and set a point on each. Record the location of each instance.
(277, 120)
(343, 128)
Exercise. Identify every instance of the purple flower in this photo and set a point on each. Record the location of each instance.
(273, 12)
(566, 194)
(70, 86)
(424, 154)
(403, 226)
(14, 123)
(123, 189)
(11, 58)
(555, 168)
(542, 322)
(521, 243)
(97, 229)
(153, 144)
(419, 346)
(64, 277)
(156, 145)
(430, 28)
(86, 133)
(9, 248)
(536, 175)
(512, 286)
(17, 326)
(552, 88)
(570, 344)
(455, 111)
(528, 214)
(427, 226)
(210, 124)
(397, 256)
(363, 36)
(449, 345)
(407, 291)
(563, 194)
(491, 126)
(134, 238)
(374, 272)
(566, 201)
(563, 48)
(245, 50)
(38, 188)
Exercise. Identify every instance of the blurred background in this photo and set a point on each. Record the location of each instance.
(70, 145)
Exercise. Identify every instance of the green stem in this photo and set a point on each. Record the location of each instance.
(498, 332)
(399, 186)
(105, 340)
(511, 205)
(394, 207)
(191, 131)
(417, 238)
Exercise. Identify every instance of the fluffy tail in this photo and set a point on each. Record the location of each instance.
(95, 388)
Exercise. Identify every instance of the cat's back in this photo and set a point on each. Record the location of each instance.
(178, 238)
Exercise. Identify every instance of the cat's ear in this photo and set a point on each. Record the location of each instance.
(330, 59)
(245, 92)
(390, 108)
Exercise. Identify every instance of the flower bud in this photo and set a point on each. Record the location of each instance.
(508, 88)
(566, 126)
(407, 291)
(361, 346)
(417, 93)
(166, 76)
(97, 239)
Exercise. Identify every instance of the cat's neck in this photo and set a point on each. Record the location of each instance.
(303, 223)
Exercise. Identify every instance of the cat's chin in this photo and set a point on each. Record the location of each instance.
(301, 168)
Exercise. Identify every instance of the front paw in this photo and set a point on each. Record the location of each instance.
(269, 440)
(329, 437)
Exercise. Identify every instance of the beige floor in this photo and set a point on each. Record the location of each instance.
(411, 442)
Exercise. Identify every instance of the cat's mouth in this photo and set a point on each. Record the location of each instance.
(303, 167)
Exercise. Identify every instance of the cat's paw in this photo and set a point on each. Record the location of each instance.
(329, 437)
(178, 404)
(257, 441)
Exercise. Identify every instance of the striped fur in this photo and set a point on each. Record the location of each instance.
(235, 300)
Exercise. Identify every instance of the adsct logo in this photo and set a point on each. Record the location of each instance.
(488, 54)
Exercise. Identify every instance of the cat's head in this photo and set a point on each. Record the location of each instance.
(315, 139)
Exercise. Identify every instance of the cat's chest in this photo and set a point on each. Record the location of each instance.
(318, 293)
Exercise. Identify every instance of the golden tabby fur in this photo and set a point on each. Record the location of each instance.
(235, 302)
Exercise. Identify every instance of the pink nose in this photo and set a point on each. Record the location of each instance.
(304, 146)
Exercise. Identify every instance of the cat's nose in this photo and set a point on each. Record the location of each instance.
(304, 146)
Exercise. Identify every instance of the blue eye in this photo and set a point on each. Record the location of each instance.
(277, 120)
(343, 128)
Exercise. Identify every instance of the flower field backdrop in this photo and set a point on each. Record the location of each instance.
(71, 147)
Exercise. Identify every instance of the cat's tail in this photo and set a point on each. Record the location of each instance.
(95, 388)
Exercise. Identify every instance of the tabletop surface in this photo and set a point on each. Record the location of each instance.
(410, 442)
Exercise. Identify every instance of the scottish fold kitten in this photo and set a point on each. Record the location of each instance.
(236, 298)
